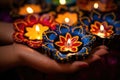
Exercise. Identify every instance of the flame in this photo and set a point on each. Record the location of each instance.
(69, 42)
(62, 2)
(29, 10)
(101, 28)
(67, 20)
(37, 28)
(96, 5)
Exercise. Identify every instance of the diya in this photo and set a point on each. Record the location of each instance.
(103, 25)
(101, 5)
(29, 9)
(67, 43)
(30, 30)
(69, 18)
(62, 2)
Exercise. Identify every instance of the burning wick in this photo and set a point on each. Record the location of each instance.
(101, 28)
(68, 42)
(62, 2)
(96, 5)
(101, 33)
(67, 20)
(29, 10)
(38, 30)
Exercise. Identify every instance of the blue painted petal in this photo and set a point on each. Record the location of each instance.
(49, 45)
(117, 28)
(84, 50)
(51, 35)
(77, 31)
(85, 21)
(95, 16)
(64, 29)
(62, 55)
(110, 18)
(87, 40)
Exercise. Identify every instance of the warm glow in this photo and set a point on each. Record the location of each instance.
(67, 20)
(69, 42)
(101, 33)
(37, 28)
(96, 5)
(101, 28)
(35, 32)
(62, 2)
(29, 10)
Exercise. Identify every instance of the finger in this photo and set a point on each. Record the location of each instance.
(47, 65)
(101, 52)
(92, 58)
(43, 63)
(103, 47)
(75, 66)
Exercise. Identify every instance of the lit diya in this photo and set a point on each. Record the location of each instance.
(102, 30)
(67, 18)
(102, 25)
(30, 30)
(89, 5)
(29, 9)
(67, 43)
(62, 2)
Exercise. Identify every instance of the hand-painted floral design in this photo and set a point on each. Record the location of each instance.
(96, 29)
(23, 28)
(67, 18)
(36, 31)
(108, 20)
(68, 43)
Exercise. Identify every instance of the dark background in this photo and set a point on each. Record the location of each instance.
(108, 68)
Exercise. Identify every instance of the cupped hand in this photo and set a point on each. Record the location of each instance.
(32, 58)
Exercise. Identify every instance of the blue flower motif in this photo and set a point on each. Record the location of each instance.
(110, 18)
(55, 43)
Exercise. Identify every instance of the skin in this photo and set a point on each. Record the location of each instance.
(15, 54)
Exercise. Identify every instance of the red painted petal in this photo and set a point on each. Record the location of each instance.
(35, 44)
(19, 25)
(96, 28)
(62, 48)
(74, 49)
(59, 44)
(18, 37)
(97, 24)
(68, 36)
(62, 39)
(45, 20)
(110, 31)
(74, 39)
(32, 19)
(76, 44)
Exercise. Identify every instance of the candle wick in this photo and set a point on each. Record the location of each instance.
(68, 42)
(102, 29)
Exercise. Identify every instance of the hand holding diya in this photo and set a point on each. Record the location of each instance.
(67, 44)
(30, 30)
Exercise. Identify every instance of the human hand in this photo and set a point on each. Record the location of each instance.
(32, 58)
